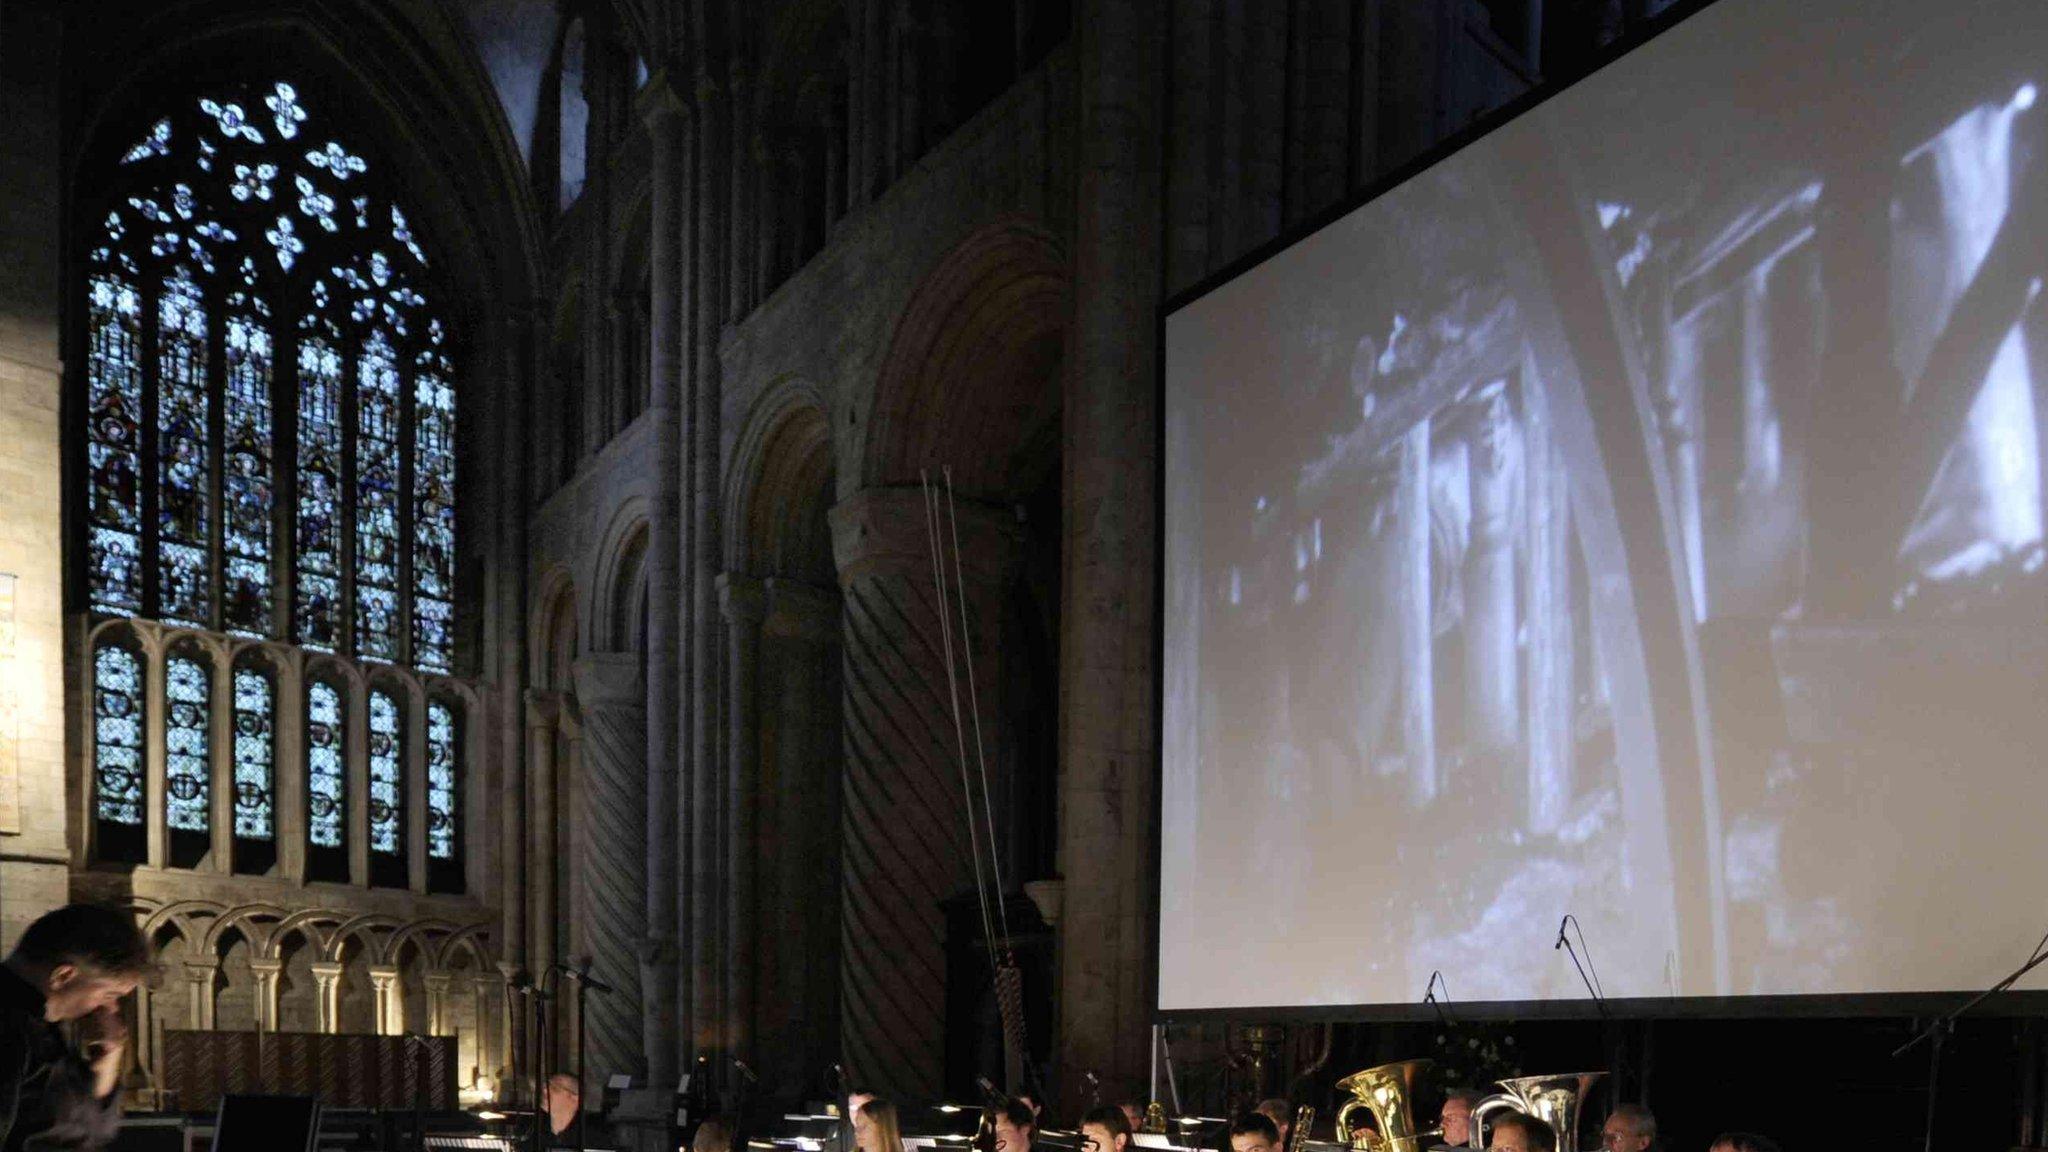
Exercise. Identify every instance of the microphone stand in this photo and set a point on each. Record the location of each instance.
(1937, 1034)
(539, 1132)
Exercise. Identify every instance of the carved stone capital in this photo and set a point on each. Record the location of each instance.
(610, 680)
(885, 532)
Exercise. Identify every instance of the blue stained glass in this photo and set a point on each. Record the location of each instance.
(185, 497)
(326, 743)
(232, 120)
(337, 161)
(317, 611)
(246, 485)
(433, 557)
(285, 109)
(387, 796)
(442, 779)
(157, 143)
(187, 766)
(377, 621)
(114, 442)
(117, 735)
(255, 798)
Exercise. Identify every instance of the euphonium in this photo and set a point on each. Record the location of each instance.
(1555, 1100)
(1388, 1092)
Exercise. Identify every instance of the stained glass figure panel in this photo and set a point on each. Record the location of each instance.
(442, 782)
(187, 764)
(246, 487)
(387, 790)
(184, 475)
(114, 442)
(117, 735)
(433, 563)
(326, 747)
(377, 620)
(255, 792)
(316, 613)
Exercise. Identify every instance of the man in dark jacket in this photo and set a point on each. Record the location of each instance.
(72, 965)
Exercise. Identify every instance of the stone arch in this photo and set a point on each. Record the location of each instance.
(781, 482)
(972, 376)
(620, 581)
(556, 634)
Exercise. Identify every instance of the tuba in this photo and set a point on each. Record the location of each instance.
(1388, 1092)
(1555, 1100)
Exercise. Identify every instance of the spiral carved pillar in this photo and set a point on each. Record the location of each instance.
(906, 845)
(613, 698)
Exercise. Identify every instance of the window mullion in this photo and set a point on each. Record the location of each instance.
(284, 464)
(408, 382)
(345, 530)
(216, 451)
(149, 288)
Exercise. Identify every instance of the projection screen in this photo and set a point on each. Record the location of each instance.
(1638, 515)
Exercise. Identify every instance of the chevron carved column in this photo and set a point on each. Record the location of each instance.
(613, 697)
(906, 846)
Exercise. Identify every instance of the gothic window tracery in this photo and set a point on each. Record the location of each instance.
(269, 442)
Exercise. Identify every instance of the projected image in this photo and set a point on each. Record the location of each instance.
(1637, 515)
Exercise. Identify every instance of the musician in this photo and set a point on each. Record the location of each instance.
(562, 1099)
(1254, 1132)
(1134, 1113)
(715, 1134)
(74, 965)
(1281, 1113)
(1742, 1142)
(1456, 1118)
(1519, 1132)
(1631, 1128)
(1014, 1124)
(875, 1128)
(1105, 1130)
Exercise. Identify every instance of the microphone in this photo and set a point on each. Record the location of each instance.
(740, 1066)
(1591, 982)
(522, 981)
(1429, 997)
(582, 976)
(994, 1097)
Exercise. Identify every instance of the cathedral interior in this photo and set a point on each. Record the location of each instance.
(471, 479)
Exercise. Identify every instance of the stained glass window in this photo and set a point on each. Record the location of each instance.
(317, 613)
(387, 788)
(114, 442)
(184, 484)
(187, 764)
(255, 796)
(117, 735)
(246, 481)
(441, 782)
(433, 541)
(376, 496)
(265, 368)
(326, 777)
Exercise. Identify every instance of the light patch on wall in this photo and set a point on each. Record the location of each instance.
(10, 695)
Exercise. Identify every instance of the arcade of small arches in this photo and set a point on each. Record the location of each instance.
(264, 968)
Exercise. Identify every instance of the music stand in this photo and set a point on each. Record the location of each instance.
(267, 1124)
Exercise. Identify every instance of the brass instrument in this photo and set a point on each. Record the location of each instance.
(1297, 1134)
(1555, 1100)
(1389, 1093)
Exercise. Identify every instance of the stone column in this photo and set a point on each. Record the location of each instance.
(1108, 742)
(436, 985)
(543, 714)
(906, 845)
(389, 999)
(199, 978)
(1492, 656)
(613, 699)
(220, 738)
(327, 984)
(288, 730)
(668, 199)
(155, 814)
(741, 603)
(743, 206)
(266, 970)
(510, 1070)
(705, 789)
